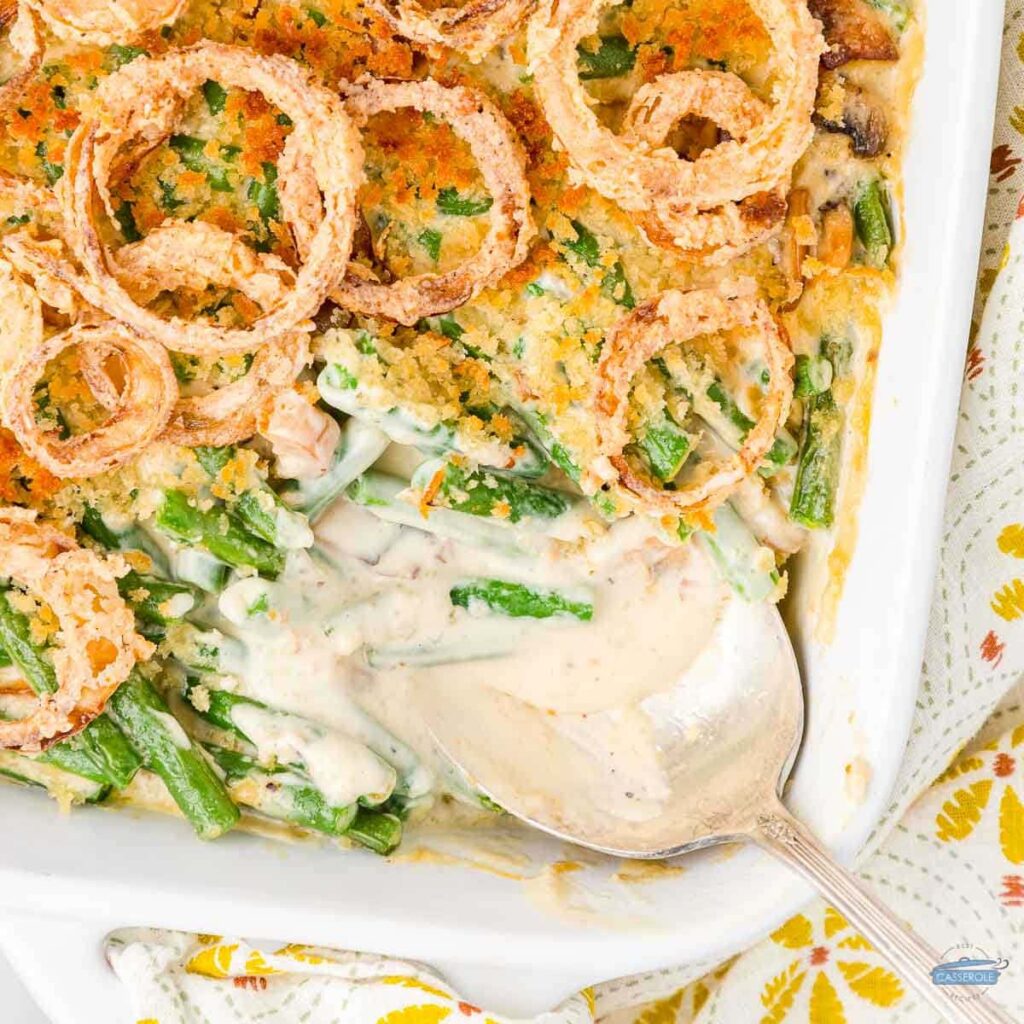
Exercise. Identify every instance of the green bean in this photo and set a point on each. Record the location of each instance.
(132, 538)
(205, 650)
(201, 569)
(60, 784)
(665, 446)
(518, 600)
(220, 532)
(72, 756)
(871, 219)
(268, 517)
(714, 404)
(100, 748)
(165, 749)
(158, 600)
(813, 376)
(95, 526)
(340, 389)
(100, 751)
(381, 494)
(31, 659)
(746, 566)
(734, 424)
(219, 707)
(839, 352)
(359, 447)
(378, 831)
(817, 475)
(556, 451)
(281, 793)
(260, 509)
(484, 492)
(213, 458)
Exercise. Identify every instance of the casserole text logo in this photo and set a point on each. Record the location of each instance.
(968, 966)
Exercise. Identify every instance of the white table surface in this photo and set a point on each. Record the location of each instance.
(19, 1007)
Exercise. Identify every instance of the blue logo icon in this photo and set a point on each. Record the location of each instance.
(971, 967)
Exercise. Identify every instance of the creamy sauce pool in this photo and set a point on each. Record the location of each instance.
(360, 629)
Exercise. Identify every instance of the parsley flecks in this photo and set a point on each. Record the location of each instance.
(613, 58)
(168, 201)
(192, 153)
(431, 241)
(263, 194)
(451, 203)
(52, 171)
(215, 95)
(118, 55)
(125, 217)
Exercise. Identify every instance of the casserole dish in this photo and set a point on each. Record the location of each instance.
(488, 929)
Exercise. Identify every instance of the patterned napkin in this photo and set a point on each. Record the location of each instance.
(949, 858)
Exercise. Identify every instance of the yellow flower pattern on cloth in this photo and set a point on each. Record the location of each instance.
(1008, 600)
(179, 978)
(835, 962)
(991, 791)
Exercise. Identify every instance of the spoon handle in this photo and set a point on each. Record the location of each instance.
(780, 833)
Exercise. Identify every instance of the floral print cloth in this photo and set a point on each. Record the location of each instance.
(949, 858)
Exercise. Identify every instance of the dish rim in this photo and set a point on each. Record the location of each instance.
(933, 302)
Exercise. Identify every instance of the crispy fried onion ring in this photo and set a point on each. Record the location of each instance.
(671, 317)
(54, 279)
(492, 140)
(639, 178)
(21, 318)
(717, 235)
(26, 39)
(138, 417)
(473, 29)
(137, 107)
(97, 645)
(28, 196)
(179, 254)
(105, 21)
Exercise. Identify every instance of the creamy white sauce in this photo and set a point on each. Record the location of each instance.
(178, 606)
(342, 768)
(360, 631)
(178, 735)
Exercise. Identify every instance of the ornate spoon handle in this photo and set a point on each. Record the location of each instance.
(780, 833)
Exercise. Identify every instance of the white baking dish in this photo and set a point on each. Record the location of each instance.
(496, 936)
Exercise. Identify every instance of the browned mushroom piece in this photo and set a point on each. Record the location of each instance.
(854, 30)
(862, 119)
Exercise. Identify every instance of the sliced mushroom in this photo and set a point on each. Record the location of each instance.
(854, 30)
(861, 118)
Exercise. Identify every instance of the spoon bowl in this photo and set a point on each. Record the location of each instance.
(689, 767)
(700, 763)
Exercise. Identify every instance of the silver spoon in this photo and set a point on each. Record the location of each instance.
(724, 748)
